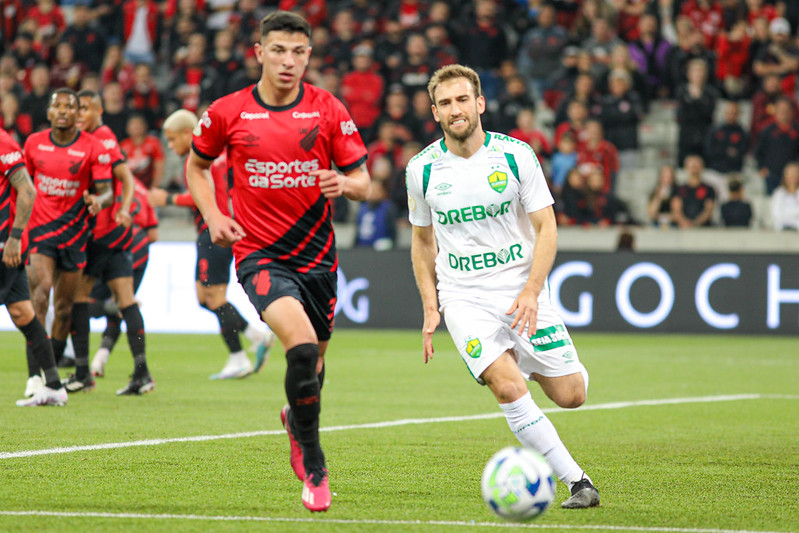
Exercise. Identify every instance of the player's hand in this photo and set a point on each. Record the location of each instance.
(330, 182)
(526, 308)
(123, 218)
(225, 231)
(91, 203)
(431, 322)
(157, 197)
(11, 253)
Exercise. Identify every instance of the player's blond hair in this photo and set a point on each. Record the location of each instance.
(451, 72)
(180, 120)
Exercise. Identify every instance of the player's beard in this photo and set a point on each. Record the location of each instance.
(465, 134)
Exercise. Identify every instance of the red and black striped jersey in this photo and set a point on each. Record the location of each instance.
(61, 173)
(144, 219)
(106, 231)
(11, 160)
(271, 152)
(219, 174)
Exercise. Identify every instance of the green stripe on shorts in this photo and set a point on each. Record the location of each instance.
(550, 338)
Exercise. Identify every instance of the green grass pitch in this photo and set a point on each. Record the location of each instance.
(724, 458)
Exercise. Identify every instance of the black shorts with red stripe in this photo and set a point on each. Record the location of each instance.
(63, 239)
(316, 292)
(13, 284)
(213, 261)
(105, 263)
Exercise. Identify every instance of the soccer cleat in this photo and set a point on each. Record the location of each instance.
(584, 495)
(73, 384)
(33, 385)
(316, 491)
(262, 351)
(99, 361)
(295, 457)
(138, 386)
(66, 362)
(45, 396)
(235, 368)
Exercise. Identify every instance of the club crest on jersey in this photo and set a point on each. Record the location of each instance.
(498, 181)
(473, 347)
(307, 142)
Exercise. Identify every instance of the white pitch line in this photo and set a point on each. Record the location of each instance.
(386, 424)
(432, 523)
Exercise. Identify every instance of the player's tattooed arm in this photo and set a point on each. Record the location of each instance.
(104, 197)
(26, 194)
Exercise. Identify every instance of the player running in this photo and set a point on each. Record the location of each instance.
(484, 239)
(212, 272)
(16, 203)
(65, 164)
(282, 136)
(109, 259)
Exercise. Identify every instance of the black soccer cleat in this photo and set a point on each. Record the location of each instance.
(73, 384)
(138, 386)
(584, 495)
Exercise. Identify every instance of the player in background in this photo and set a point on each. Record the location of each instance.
(484, 239)
(65, 164)
(145, 232)
(282, 136)
(212, 272)
(109, 258)
(16, 203)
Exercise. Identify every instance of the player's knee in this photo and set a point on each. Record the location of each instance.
(301, 360)
(571, 398)
(21, 313)
(506, 390)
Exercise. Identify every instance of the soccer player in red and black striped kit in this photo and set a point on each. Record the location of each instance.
(282, 136)
(16, 203)
(108, 256)
(65, 164)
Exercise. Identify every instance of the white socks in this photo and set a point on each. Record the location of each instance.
(533, 429)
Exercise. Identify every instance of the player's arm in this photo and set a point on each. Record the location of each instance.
(158, 173)
(152, 234)
(546, 246)
(353, 184)
(123, 174)
(423, 257)
(104, 197)
(224, 230)
(162, 197)
(26, 194)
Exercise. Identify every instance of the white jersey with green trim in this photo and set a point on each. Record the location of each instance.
(478, 207)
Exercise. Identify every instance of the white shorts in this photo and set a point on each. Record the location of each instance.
(481, 332)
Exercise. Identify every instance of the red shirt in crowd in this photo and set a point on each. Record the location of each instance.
(142, 157)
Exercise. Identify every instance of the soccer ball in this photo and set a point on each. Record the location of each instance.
(517, 484)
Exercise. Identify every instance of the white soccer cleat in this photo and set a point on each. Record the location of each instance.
(262, 351)
(45, 396)
(235, 368)
(99, 361)
(34, 385)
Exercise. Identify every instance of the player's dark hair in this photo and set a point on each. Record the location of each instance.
(63, 90)
(285, 21)
(451, 72)
(87, 93)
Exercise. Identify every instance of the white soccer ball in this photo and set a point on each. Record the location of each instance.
(517, 483)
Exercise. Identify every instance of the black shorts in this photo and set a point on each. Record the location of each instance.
(317, 292)
(213, 262)
(105, 264)
(13, 285)
(66, 259)
(101, 292)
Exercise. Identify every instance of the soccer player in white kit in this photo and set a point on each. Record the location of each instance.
(484, 240)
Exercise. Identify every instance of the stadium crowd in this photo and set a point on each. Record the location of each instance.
(576, 79)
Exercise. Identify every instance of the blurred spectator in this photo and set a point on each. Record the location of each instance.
(582, 91)
(110, 17)
(409, 13)
(781, 57)
(563, 161)
(493, 47)
(442, 51)
(116, 68)
(526, 131)
(573, 202)
(777, 144)
(362, 90)
(736, 212)
(35, 103)
(540, 50)
(622, 112)
(733, 56)
(185, 26)
(314, 11)
(561, 82)
(599, 153)
(18, 127)
(760, 40)
(577, 114)
(693, 202)
(141, 31)
(601, 42)
(247, 76)
(343, 39)
(587, 12)
(758, 9)
(366, 15)
(115, 115)
(87, 40)
(629, 15)
(249, 14)
(415, 69)
(707, 17)
(603, 207)
(397, 110)
(659, 206)
(785, 200)
(144, 98)
(193, 82)
(689, 47)
(66, 71)
(426, 128)
(9, 85)
(144, 153)
(764, 104)
(620, 60)
(385, 145)
(10, 22)
(225, 59)
(696, 104)
(376, 223)
(24, 52)
(725, 147)
(389, 46)
(515, 98)
(49, 22)
(650, 54)
(218, 13)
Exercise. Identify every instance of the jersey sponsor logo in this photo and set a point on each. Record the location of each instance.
(57, 186)
(76, 153)
(11, 158)
(498, 181)
(281, 174)
(46, 148)
(551, 338)
(485, 260)
(411, 203)
(311, 114)
(205, 120)
(251, 116)
(473, 347)
(348, 127)
(104, 159)
(109, 144)
(472, 213)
